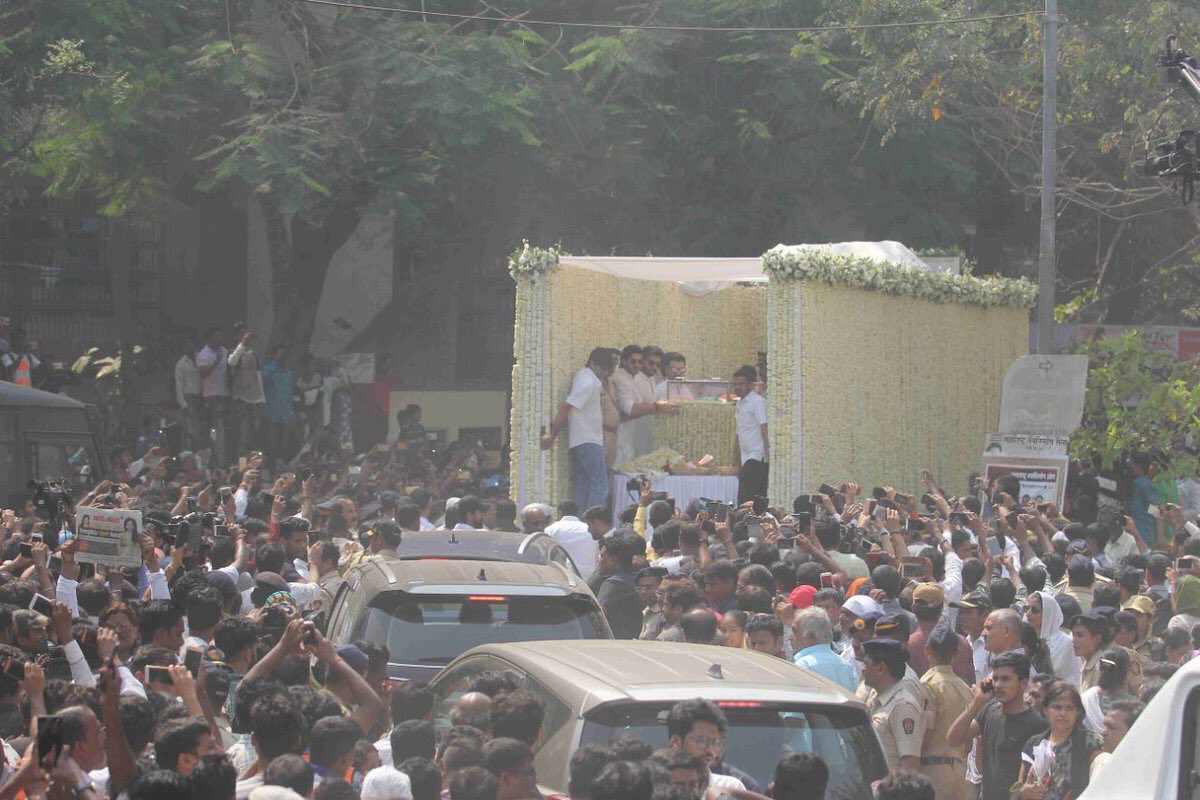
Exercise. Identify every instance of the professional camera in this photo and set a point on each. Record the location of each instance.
(1174, 158)
(50, 499)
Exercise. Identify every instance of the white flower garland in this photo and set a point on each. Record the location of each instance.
(531, 261)
(828, 266)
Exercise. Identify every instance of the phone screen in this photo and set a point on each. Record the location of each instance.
(192, 659)
(42, 605)
(49, 737)
(754, 530)
(157, 674)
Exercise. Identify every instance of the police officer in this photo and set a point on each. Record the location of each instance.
(1143, 610)
(948, 696)
(896, 714)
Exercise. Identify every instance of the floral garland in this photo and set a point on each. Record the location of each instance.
(828, 266)
(531, 261)
(785, 381)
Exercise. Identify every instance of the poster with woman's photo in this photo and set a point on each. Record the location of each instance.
(108, 536)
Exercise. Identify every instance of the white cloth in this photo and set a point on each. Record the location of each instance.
(716, 781)
(572, 533)
(751, 416)
(426, 525)
(634, 435)
(1125, 545)
(1189, 498)
(386, 783)
(585, 423)
(215, 385)
(684, 488)
(1092, 709)
(240, 498)
(1067, 665)
(187, 380)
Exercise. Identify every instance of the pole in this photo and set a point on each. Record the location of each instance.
(1045, 307)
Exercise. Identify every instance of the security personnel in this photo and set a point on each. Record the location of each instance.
(1144, 610)
(948, 696)
(380, 540)
(894, 626)
(896, 714)
(1097, 631)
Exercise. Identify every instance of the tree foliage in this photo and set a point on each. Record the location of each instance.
(1139, 399)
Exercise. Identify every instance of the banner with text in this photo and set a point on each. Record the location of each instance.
(108, 536)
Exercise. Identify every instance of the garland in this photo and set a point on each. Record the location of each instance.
(827, 266)
(531, 261)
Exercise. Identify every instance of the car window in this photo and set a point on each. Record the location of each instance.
(760, 734)
(452, 684)
(433, 630)
(62, 459)
(558, 713)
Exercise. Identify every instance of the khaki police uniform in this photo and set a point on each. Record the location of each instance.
(948, 696)
(899, 720)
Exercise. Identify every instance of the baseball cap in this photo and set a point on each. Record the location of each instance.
(355, 657)
(941, 634)
(802, 596)
(862, 606)
(974, 599)
(892, 624)
(883, 648)
(929, 594)
(1142, 604)
(1091, 619)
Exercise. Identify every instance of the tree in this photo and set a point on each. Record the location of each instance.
(1118, 231)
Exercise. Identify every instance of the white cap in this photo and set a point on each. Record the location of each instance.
(862, 606)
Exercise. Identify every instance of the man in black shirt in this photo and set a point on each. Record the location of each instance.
(617, 591)
(999, 713)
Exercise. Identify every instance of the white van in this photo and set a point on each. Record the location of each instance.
(1160, 756)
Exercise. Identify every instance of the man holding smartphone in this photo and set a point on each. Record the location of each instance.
(753, 445)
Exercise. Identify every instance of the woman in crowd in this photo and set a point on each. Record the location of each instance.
(1046, 616)
(1073, 745)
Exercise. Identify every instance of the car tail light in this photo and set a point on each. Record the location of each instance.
(739, 704)
(488, 598)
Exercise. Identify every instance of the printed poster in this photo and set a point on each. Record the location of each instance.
(108, 536)
(1043, 480)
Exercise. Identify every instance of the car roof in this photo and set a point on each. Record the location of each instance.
(12, 394)
(595, 672)
(477, 545)
(452, 576)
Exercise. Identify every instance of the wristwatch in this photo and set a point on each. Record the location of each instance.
(81, 787)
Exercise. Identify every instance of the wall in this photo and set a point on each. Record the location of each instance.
(892, 384)
(450, 411)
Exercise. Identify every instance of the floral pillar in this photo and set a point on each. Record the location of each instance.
(785, 397)
(533, 403)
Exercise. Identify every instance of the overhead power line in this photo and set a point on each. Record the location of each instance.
(1034, 13)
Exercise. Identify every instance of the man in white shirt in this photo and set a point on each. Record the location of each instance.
(652, 366)
(187, 395)
(575, 537)
(245, 391)
(635, 400)
(753, 444)
(213, 364)
(581, 413)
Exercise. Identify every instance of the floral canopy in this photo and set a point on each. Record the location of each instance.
(878, 364)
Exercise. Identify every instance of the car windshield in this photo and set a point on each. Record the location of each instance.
(760, 735)
(433, 630)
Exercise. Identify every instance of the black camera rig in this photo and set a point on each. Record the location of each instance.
(1178, 160)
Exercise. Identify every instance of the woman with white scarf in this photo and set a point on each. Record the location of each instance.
(1044, 614)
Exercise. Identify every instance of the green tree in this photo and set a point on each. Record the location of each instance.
(1118, 231)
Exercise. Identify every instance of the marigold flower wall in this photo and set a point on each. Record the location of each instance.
(890, 384)
(718, 333)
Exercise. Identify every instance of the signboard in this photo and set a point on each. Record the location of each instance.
(1043, 394)
(1043, 480)
(108, 536)
(360, 367)
(1025, 444)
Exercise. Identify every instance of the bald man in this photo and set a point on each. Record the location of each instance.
(474, 709)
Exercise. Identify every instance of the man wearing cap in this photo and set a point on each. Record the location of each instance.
(948, 697)
(859, 613)
(1144, 610)
(897, 716)
(928, 604)
(895, 627)
(973, 610)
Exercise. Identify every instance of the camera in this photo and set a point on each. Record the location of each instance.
(50, 499)
(635, 483)
(1174, 158)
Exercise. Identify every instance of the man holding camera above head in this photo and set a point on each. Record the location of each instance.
(752, 448)
(582, 415)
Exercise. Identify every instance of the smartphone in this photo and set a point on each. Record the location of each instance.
(915, 525)
(804, 521)
(760, 504)
(986, 686)
(310, 633)
(879, 512)
(1185, 563)
(825, 488)
(157, 674)
(54, 564)
(49, 738)
(721, 512)
(1154, 511)
(313, 537)
(192, 659)
(788, 531)
(87, 570)
(243, 464)
(354, 470)
(879, 492)
(269, 498)
(901, 499)
(14, 668)
(195, 535)
(220, 531)
(827, 580)
(754, 530)
(912, 569)
(42, 605)
(1043, 508)
(226, 492)
(36, 536)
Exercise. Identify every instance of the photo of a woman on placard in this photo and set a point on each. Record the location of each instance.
(131, 529)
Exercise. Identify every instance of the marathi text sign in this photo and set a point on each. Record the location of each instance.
(108, 536)
(1043, 480)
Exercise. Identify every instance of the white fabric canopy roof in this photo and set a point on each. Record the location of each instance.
(703, 275)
